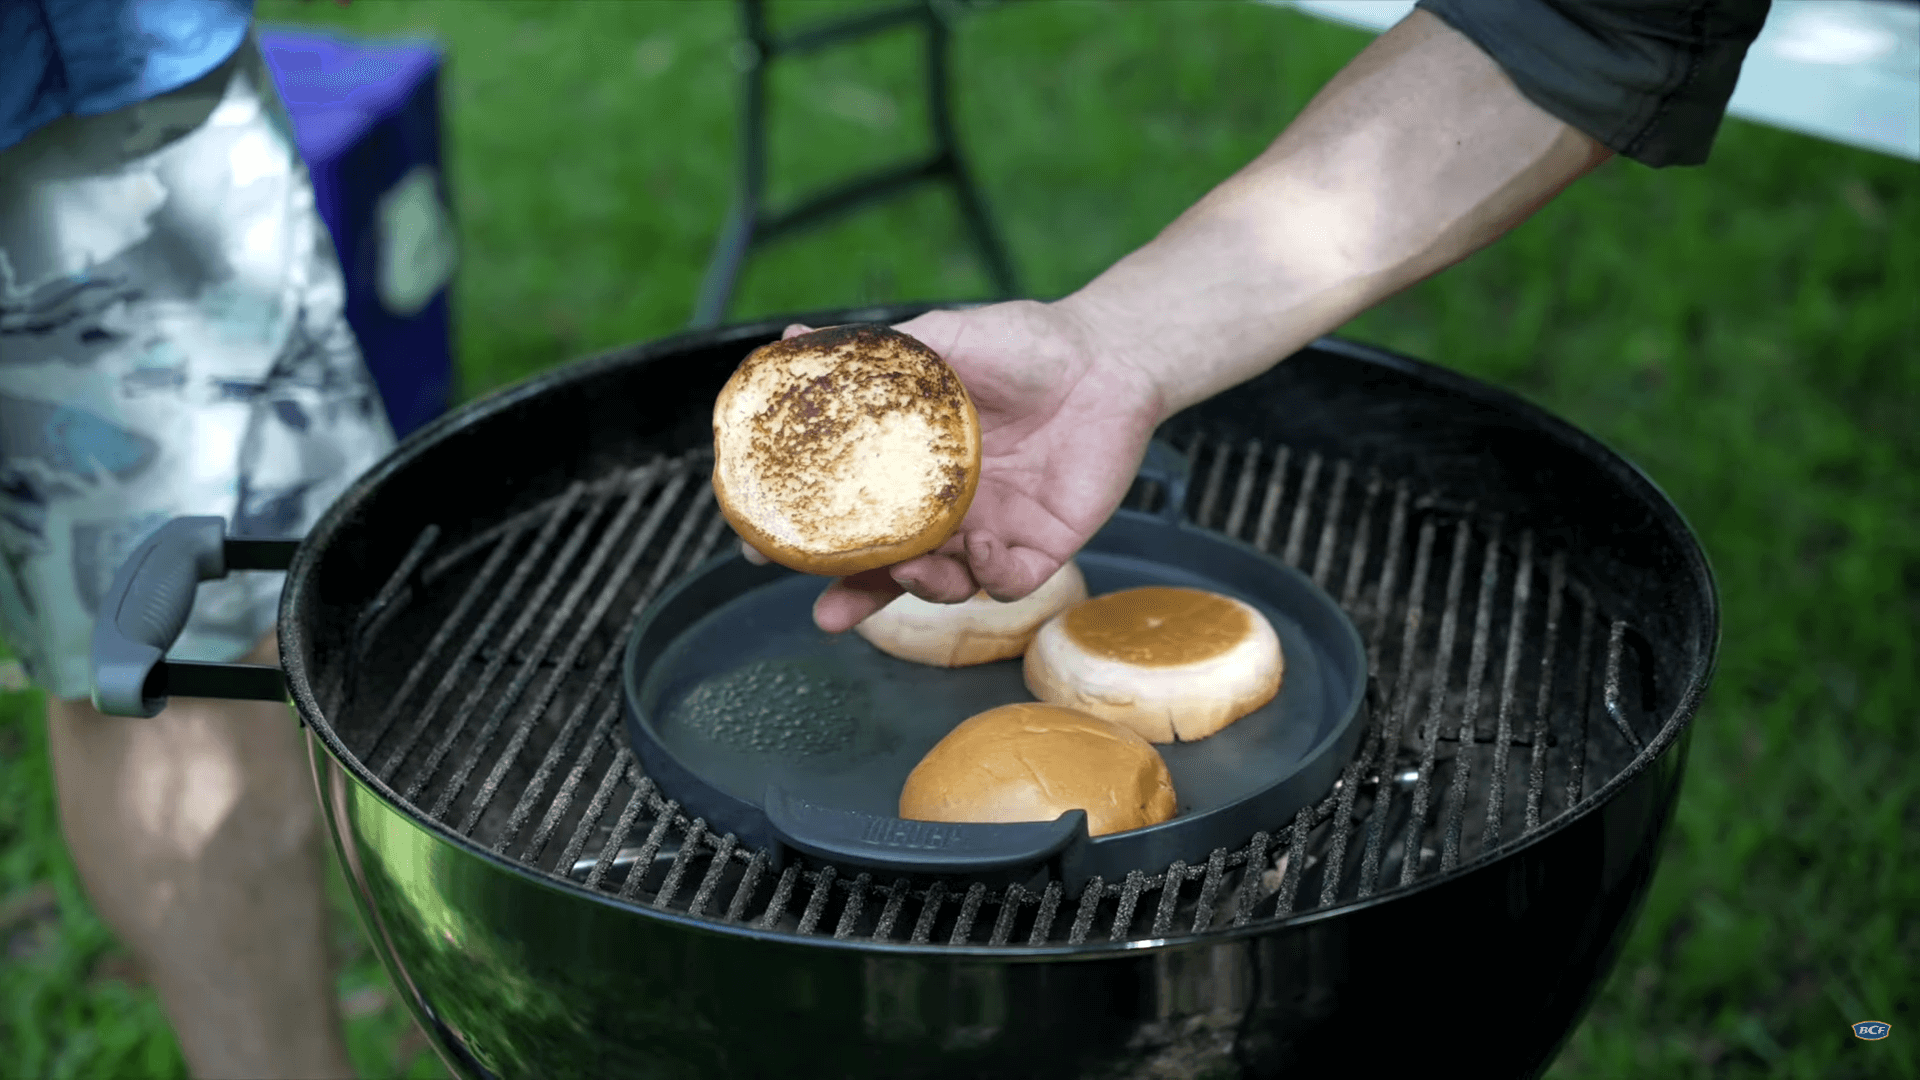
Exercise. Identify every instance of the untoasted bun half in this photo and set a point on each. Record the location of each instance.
(1032, 762)
(844, 450)
(1175, 665)
(979, 630)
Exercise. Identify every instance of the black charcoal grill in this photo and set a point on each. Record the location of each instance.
(1539, 622)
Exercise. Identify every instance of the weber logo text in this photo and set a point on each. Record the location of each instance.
(911, 834)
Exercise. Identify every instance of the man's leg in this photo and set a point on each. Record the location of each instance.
(197, 835)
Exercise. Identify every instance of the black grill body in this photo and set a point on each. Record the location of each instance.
(557, 916)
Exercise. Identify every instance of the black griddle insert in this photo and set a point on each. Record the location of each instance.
(797, 740)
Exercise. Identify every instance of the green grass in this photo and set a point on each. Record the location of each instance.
(1747, 332)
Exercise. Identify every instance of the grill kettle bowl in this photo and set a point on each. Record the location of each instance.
(517, 972)
(1490, 969)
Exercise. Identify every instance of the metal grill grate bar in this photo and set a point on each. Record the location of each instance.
(929, 911)
(1610, 698)
(817, 899)
(1243, 489)
(602, 677)
(1210, 496)
(1009, 910)
(1537, 767)
(550, 632)
(889, 915)
(1297, 531)
(856, 900)
(1470, 716)
(1403, 696)
(1357, 554)
(696, 836)
(482, 631)
(1209, 890)
(1049, 912)
(475, 589)
(1442, 674)
(1169, 898)
(622, 764)
(1323, 557)
(643, 484)
(716, 869)
(969, 911)
(749, 881)
(1243, 899)
(369, 624)
(1130, 891)
(1270, 506)
(556, 572)
(782, 892)
(1576, 778)
(1497, 778)
(663, 572)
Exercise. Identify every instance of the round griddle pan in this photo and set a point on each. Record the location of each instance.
(796, 740)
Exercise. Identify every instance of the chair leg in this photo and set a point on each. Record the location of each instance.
(737, 234)
(746, 221)
(980, 228)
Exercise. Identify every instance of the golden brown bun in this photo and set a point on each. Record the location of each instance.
(979, 630)
(844, 450)
(1032, 762)
(1172, 664)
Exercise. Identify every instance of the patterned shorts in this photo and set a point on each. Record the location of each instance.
(172, 341)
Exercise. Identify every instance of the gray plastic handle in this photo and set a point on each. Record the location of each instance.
(929, 847)
(147, 608)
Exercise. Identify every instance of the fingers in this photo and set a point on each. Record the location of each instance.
(1007, 573)
(752, 554)
(796, 330)
(938, 578)
(851, 599)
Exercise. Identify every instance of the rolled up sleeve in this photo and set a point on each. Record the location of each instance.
(1648, 79)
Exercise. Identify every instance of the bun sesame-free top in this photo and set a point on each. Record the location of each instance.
(1173, 664)
(1034, 762)
(845, 449)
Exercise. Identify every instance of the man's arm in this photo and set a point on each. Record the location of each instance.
(1419, 153)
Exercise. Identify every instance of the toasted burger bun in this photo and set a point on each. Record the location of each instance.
(844, 450)
(979, 630)
(1035, 762)
(1174, 665)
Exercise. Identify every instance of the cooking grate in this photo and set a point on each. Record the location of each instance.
(486, 697)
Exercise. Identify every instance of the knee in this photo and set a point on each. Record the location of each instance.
(157, 810)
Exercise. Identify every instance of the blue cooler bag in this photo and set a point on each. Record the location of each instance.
(366, 116)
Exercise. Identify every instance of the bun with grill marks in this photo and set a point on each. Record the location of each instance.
(846, 449)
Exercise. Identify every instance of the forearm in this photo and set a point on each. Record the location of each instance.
(1417, 154)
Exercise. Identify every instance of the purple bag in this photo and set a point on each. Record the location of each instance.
(366, 117)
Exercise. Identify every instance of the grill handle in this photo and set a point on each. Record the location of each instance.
(147, 608)
(930, 847)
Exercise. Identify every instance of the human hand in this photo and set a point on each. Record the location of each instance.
(1063, 426)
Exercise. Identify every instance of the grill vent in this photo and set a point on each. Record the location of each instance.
(487, 698)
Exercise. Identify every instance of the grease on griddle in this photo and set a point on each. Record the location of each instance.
(774, 706)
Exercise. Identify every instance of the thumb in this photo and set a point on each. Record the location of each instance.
(796, 330)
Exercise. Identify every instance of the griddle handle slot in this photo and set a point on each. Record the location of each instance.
(147, 608)
(1170, 470)
(930, 847)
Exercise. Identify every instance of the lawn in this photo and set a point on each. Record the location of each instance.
(1748, 332)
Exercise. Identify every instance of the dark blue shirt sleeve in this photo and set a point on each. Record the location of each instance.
(1648, 79)
(87, 57)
